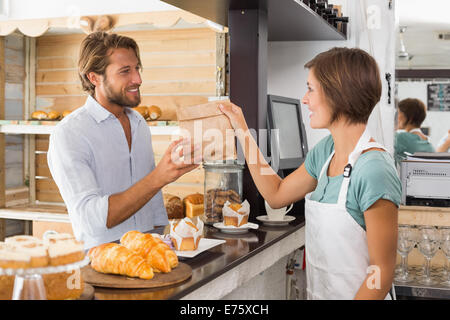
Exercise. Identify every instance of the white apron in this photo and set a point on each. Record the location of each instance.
(337, 256)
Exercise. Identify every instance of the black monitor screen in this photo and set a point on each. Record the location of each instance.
(286, 120)
(289, 150)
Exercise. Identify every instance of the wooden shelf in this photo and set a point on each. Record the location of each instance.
(37, 212)
(48, 129)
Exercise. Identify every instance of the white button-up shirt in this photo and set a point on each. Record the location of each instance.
(90, 160)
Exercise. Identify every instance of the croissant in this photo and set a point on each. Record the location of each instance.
(155, 251)
(117, 259)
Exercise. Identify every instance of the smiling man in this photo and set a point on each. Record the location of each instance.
(101, 156)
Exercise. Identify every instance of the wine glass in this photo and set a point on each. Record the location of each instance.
(428, 245)
(29, 287)
(445, 247)
(405, 243)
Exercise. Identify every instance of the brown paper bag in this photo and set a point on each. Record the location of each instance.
(205, 124)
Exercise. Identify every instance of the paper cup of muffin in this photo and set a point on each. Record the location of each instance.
(235, 214)
(186, 233)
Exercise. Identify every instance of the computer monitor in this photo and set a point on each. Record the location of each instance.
(288, 145)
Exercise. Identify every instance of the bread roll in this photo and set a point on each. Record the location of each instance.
(66, 113)
(53, 115)
(154, 113)
(174, 206)
(39, 115)
(143, 111)
(194, 205)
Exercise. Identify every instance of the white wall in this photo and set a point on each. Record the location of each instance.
(287, 76)
(437, 121)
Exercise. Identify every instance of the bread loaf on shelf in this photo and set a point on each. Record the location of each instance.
(194, 205)
(66, 113)
(174, 206)
(116, 259)
(143, 110)
(39, 115)
(154, 113)
(53, 115)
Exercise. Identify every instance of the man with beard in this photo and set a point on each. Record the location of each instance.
(101, 156)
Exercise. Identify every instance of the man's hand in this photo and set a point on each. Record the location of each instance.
(180, 157)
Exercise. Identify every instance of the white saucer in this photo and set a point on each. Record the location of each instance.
(265, 220)
(235, 230)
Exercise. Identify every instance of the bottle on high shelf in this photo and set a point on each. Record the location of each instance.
(322, 3)
(331, 19)
(342, 24)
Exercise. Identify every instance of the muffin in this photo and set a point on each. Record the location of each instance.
(186, 233)
(235, 214)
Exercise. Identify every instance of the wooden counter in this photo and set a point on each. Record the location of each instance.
(419, 215)
(224, 268)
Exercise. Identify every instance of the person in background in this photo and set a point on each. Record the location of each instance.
(351, 187)
(444, 143)
(409, 138)
(101, 156)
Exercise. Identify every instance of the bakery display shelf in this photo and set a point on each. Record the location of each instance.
(36, 212)
(47, 127)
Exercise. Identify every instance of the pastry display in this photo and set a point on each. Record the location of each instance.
(174, 206)
(66, 113)
(39, 115)
(24, 251)
(143, 111)
(235, 214)
(154, 113)
(34, 249)
(152, 249)
(194, 205)
(12, 258)
(117, 259)
(63, 248)
(215, 200)
(186, 233)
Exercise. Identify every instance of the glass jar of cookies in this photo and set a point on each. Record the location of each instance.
(223, 181)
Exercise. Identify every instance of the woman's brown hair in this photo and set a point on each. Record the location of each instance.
(350, 81)
(95, 51)
(414, 111)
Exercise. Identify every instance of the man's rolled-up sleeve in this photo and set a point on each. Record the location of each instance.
(73, 169)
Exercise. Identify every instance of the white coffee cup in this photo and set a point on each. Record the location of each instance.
(277, 214)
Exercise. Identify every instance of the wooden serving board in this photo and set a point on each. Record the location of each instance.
(88, 292)
(97, 279)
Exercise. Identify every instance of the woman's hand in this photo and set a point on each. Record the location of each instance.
(234, 113)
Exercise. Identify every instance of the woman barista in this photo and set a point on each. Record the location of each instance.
(349, 182)
(409, 138)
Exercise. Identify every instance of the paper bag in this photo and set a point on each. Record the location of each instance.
(205, 124)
